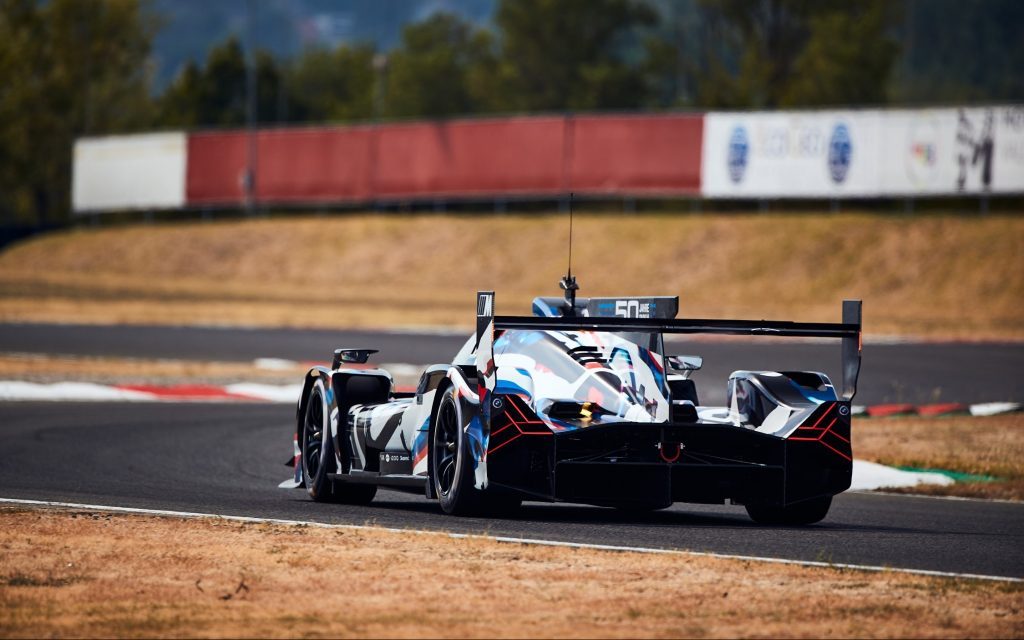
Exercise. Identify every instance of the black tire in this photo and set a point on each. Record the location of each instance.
(318, 457)
(801, 513)
(450, 468)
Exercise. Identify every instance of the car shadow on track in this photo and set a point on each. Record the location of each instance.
(388, 512)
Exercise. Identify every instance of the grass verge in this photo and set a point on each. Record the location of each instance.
(992, 446)
(88, 574)
(939, 276)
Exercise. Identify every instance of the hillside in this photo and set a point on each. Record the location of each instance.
(932, 276)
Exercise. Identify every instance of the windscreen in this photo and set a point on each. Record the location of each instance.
(576, 379)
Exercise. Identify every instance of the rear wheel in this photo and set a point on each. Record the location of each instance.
(806, 512)
(318, 457)
(451, 469)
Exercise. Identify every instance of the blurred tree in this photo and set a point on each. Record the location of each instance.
(215, 94)
(211, 95)
(333, 85)
(956, 51)
(441, 68)
(69, 68)
(784, 53)
(569, 54)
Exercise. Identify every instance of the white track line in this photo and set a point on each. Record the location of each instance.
(507, 539)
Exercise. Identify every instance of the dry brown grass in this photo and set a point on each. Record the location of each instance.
(991, 446)
(940, 276)
(87, 574)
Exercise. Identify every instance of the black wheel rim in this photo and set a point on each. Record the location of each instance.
(313, 433)
(446, 447)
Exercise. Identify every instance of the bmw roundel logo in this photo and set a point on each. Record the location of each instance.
(840, 150)
(496, 403)
(843, 409)
(739, 148)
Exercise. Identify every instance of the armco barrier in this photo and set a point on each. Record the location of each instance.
(641, 155)
(470, 158)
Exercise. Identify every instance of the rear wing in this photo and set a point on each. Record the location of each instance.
(848, 331)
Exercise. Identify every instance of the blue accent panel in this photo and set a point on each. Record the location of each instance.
(563, 424)
(420, 443)
(477, 440)
(542, 309)
(512, 389)
(817, 397)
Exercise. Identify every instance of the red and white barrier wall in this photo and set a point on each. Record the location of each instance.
(808, 154)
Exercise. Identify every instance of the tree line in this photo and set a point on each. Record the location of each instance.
(72, 68)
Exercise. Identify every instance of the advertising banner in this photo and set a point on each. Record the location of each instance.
(836, 154)
(953, 151)
(790, 154)
(129, 172)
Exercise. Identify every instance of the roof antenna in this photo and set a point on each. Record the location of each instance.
(568, 282)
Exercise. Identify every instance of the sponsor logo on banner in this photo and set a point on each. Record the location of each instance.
(739, 150)
(975, 143)
(840, 152)
(922, 155)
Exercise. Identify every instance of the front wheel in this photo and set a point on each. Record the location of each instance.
(801, 513)
(451, 469)
(318, 457)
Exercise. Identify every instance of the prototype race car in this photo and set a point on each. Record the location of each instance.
(580, 403)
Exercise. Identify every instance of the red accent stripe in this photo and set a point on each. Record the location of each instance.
(419, 456)
(822, 417)
(493, 434)
(837, 451)
(820, 438)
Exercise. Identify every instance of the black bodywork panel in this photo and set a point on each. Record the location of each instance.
(657, 464)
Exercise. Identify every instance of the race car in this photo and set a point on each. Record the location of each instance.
(581, 403)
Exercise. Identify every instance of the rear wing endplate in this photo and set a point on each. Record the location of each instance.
(848, 331)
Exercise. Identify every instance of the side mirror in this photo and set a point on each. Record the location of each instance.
(351, 356)
(685, 363)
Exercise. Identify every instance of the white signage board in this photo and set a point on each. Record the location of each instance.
(790, 154)
(144, 171)
(835, 154)
(953, 151)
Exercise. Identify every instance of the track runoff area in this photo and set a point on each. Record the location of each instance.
(504, 539)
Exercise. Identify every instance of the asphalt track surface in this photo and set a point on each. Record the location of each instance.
(228, 459)
(917, 373)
